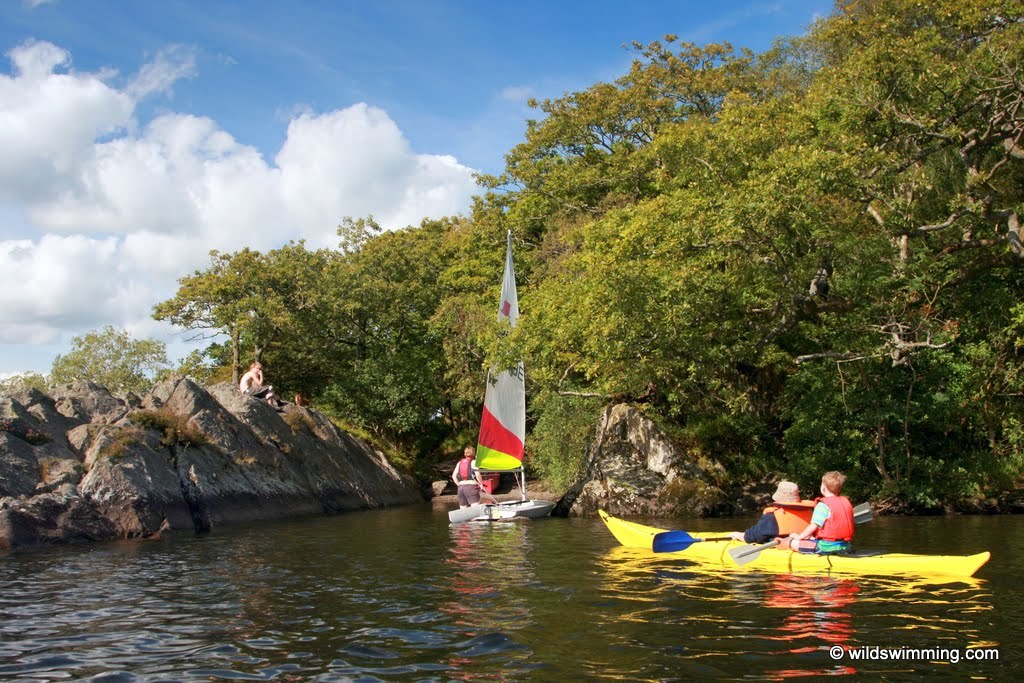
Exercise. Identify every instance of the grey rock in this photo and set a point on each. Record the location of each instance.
(88, 402)
(57, 517)
(19, 469)
(633, 468)
(182, 457)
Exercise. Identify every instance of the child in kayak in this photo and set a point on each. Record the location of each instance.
(786, 516)
(830, 530)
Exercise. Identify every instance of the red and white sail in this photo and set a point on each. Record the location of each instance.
(503, 426)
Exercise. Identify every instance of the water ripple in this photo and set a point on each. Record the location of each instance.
(400, 595)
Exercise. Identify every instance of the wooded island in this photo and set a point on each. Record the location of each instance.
(796, 261)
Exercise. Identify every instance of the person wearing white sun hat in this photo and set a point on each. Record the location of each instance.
(787, 514)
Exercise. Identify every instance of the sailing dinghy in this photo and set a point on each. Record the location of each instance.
(503, 425)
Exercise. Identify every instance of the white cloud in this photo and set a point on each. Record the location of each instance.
(49, 122)
(122, 211)
(354, 162)
(516, 93)
(171, 64)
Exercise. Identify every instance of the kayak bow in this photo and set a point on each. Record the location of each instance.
(634, 535)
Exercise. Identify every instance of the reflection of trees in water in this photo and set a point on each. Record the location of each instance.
(243, 592)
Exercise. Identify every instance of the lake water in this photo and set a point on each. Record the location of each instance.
(400, 595)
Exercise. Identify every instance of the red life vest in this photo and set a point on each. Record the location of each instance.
(792, 518)
(839, 525)
(466, 469)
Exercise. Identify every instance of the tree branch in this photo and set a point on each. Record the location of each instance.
(835, 355)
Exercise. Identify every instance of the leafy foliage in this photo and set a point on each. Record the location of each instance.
(22, 381)
(111, 358)
(801, 260)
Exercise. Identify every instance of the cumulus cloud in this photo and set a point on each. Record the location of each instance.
(49, 122)
(122, 209)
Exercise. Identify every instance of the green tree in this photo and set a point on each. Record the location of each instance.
(387, 368)
(111, 358)
(24, 380)
(225, 299)
(252, 299)
(804, 259)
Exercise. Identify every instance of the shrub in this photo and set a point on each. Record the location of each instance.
(563, 431)
(175, 427)
(120, 441)
(297, 419)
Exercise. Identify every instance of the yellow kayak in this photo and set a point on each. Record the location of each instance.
(633, 535)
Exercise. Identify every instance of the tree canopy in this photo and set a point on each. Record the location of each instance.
(799, 260)
(111, 358)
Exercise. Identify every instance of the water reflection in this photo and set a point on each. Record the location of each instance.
(488, 563)
(783, 625)
(816, 615)
(401, 595)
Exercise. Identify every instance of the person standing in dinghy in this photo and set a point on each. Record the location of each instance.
(830, 530)
(786, 515)
(467, 478)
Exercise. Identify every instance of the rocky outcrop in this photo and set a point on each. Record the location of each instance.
(81, 464)
(633, 468)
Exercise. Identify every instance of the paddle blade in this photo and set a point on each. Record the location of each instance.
(467, 514)
(862, 513)
(673, 541)
(748, 553)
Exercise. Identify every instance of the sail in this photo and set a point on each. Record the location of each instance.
(503, 426)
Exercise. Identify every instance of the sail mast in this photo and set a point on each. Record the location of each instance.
(503, 425)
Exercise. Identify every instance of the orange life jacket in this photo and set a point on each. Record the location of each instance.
(792, 518)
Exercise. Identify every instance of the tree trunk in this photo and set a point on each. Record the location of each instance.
(235, 360)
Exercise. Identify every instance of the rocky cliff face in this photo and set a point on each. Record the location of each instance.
(634, 469)
(81, 464)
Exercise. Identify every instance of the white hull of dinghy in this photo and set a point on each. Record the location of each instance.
(530, 509)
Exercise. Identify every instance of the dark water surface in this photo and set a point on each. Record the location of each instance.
(399, 595)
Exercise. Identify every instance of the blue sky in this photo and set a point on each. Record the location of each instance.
(139, 135)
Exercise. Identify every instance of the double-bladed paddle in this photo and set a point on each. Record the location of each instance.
(862, 513)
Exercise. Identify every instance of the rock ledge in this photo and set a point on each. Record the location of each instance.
(82, 464)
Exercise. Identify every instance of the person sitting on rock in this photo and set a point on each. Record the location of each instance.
(252, 384)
